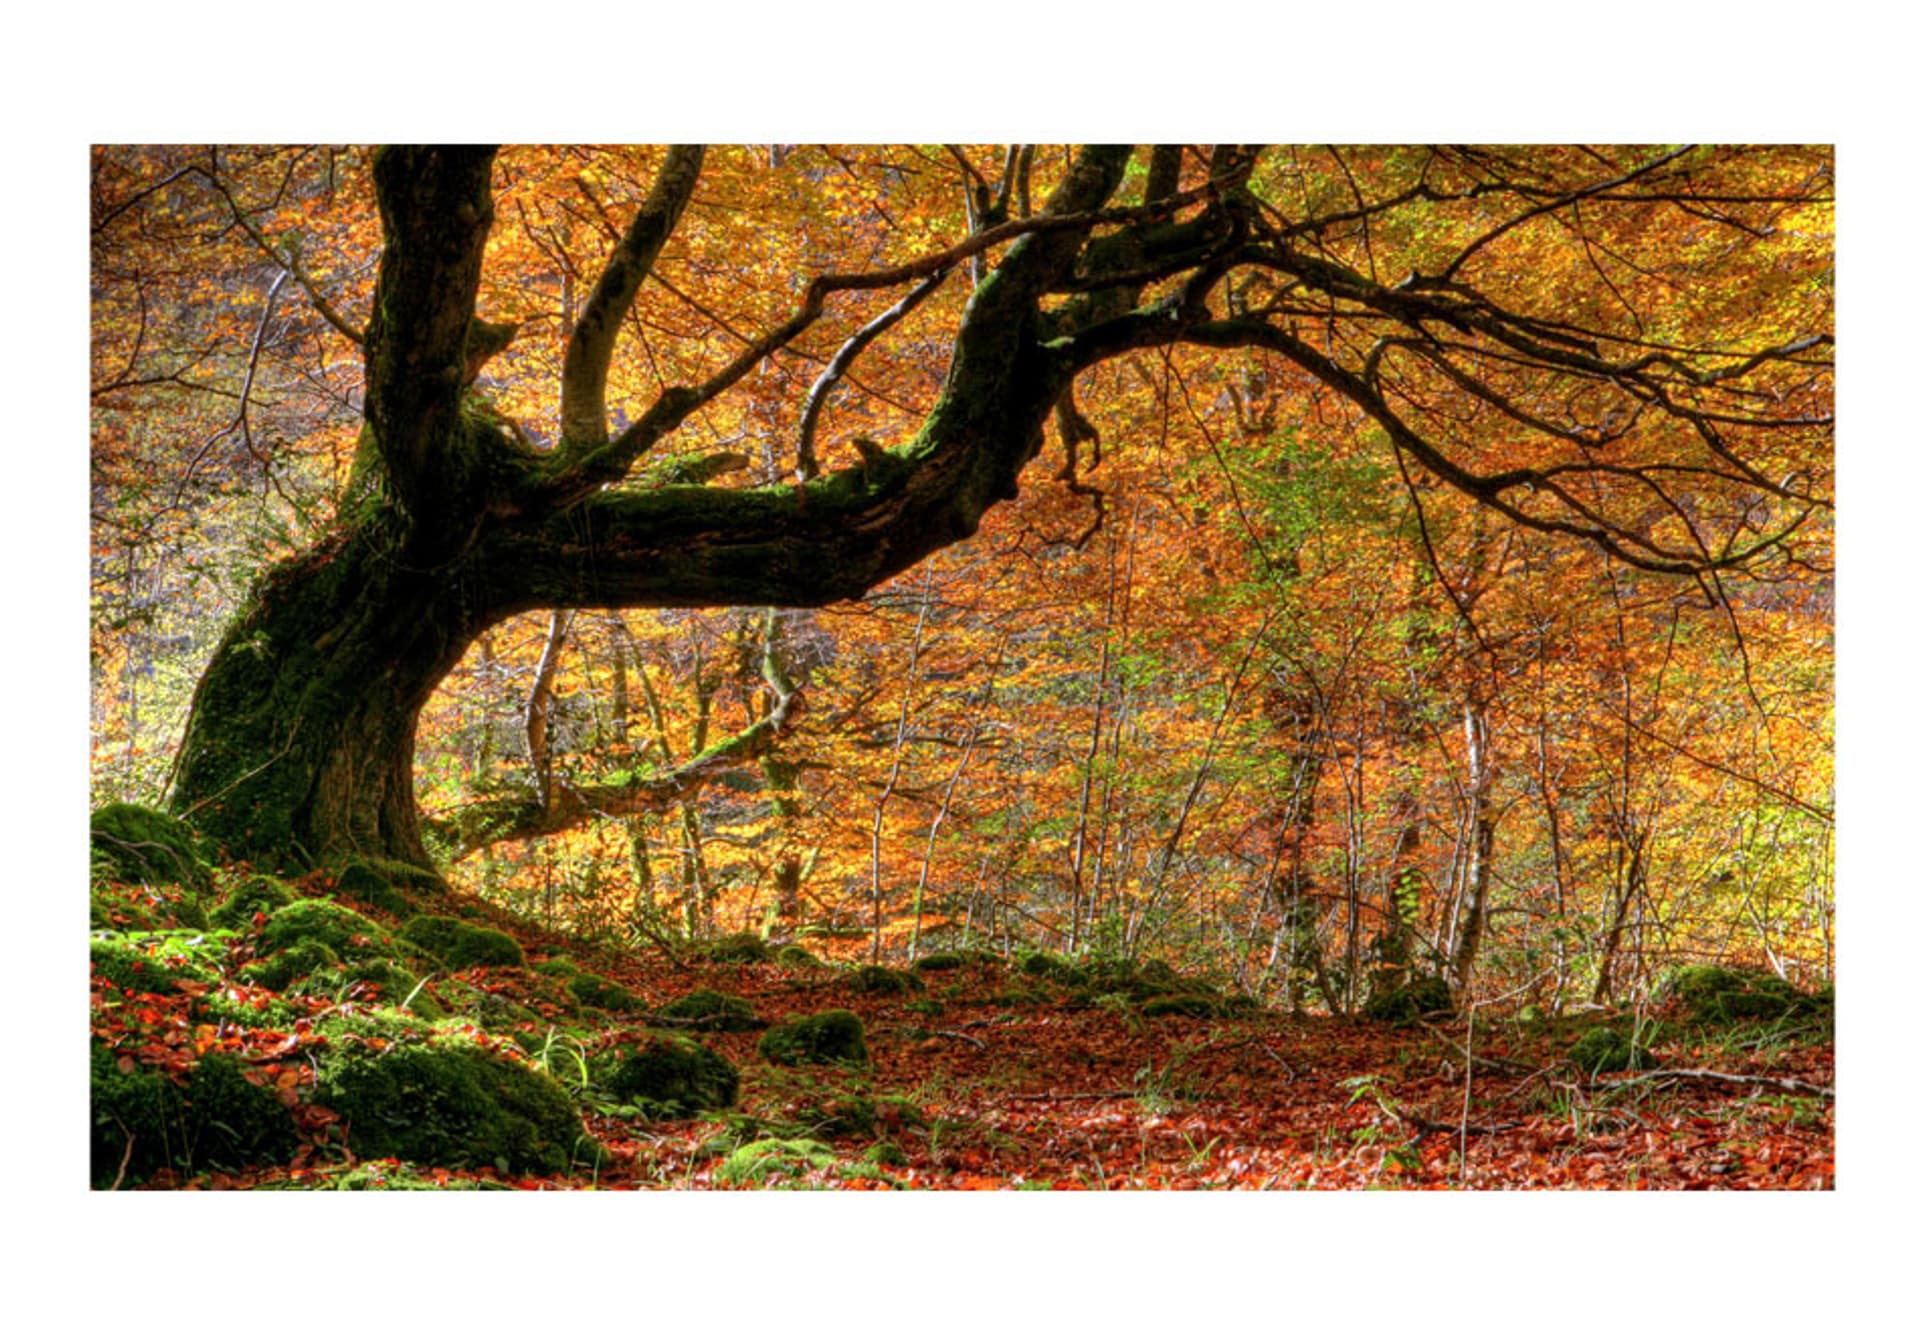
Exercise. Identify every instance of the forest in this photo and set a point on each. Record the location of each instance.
(962, 666)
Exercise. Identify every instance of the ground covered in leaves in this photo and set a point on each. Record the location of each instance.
(356, 1031)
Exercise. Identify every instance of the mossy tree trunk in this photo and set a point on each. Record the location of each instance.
(299, 748)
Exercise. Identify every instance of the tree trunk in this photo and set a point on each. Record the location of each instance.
(299, 748)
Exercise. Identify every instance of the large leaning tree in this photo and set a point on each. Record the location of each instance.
(1428, 299)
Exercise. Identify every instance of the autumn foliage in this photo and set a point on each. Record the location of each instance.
(1446, 616)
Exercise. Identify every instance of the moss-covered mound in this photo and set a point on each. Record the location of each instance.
(831, 1035)
(155, 961)
(559, 965)
(1194, 1005)
(451, 1104)
(257, 895)
(1053, 968)
(460, 944)
(281, 969)
(1725, 995)
(670, 1075)
(742, 947)
(340, 929)
(941, 961)
(796, 956)
(143, 1120)
(1408, 1000)
(864, 1118)
(367, 883)
(870, 979)
(137, 843)
(595, 990)
(1604, 1050)
(713, 1011)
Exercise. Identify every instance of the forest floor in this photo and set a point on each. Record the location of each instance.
(981, 1076)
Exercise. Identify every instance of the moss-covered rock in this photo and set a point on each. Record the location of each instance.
(941, 961)
(1193, 1005)
(830, 1036)
(461, 944)
(385, 980)
(767, 1160)
(595, 990)
(559, 965)
(870, 979)
(1408, 1000)
(220, 1119)
(796, 956)
(300, 960)
(1605, 1050)
(340, 929)
(713, 1011)
(1053, 968)
(742, 947)
(138, 843)
(674, 1076)
(1718, 995)
(451, 1104)
(257, 895)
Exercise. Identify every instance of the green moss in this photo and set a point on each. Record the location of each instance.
(766, 1160)
(676, 1075)
(385, 980)
(1725, 995)
(713, 1011)
(863, 1117)
(1053, 968)
(1406, 1002)
(280, 970)
(885, 1153)
(137, 843)
(796, 956)
(592, 989)
(1603, 1050)
(1192, 1005)
(359, 879)
(451, 1104)
(940, 962)
(256, 895)
(870, 979)
(832, 1035)
(220, 1119)
(558, 966)
(155, 961)
(340, 929)
(462, 945)
(743, 947)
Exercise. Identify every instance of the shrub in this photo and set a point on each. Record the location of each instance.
(674, 1076)
(460, 944)
(137, 843)
(832, 1035)
(713, 1011)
